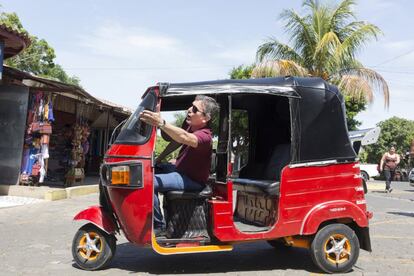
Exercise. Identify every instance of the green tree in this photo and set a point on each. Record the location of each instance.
(394, 131)
(39, 57)
(324, 43)
(241, 72)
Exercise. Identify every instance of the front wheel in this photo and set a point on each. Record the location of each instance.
(335, 248)
(93, 248)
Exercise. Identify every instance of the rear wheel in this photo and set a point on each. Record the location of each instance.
(364, 185)
(335, 248)
(93, 248)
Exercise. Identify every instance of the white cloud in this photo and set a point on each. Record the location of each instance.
(401, 45)
(242, 55)
(118, 62)
(132, 43)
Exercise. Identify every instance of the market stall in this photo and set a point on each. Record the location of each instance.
(66, 131)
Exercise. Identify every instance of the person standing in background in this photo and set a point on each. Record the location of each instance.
(388, 164)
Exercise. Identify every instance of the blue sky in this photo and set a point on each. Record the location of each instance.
(118, 48)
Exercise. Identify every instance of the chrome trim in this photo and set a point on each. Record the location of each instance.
(316, 163)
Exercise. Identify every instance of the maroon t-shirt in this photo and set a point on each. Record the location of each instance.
(195, 162)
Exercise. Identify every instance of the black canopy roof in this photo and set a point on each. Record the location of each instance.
(318, 121)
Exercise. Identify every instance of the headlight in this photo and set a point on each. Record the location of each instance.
(126, 174)
(120, 175)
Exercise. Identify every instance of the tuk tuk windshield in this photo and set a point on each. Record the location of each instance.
(134, 130)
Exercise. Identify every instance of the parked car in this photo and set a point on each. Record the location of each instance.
(369, 171)
(411, 177)
(401, 174)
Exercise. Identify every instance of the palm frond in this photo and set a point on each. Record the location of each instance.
(277, 68)
(299, 29)
(327, 44)
(356, 87)
(323, 56)
(341, 14)
(275, 50)
(375, 81)
(356, 39)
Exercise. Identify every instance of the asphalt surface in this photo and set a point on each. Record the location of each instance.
(36, 240)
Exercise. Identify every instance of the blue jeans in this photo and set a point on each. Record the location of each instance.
(168, 179)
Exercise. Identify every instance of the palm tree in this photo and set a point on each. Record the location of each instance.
(324, 43)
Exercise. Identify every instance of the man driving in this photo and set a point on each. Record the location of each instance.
(192, 167)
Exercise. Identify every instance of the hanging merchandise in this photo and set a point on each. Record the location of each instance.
(80, 147)
(50, 116)
(39, 128)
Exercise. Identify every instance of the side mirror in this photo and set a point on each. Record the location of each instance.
(371, 136)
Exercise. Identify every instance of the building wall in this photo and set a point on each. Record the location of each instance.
(13, 112)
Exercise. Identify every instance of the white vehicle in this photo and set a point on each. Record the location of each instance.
(411, 177)
(368, 171)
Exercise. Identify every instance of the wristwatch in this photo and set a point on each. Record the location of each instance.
(160, 125)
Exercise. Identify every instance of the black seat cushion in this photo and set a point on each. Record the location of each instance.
(260, 178)
(268, 187)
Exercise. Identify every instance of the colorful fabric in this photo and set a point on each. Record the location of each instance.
(50, 117)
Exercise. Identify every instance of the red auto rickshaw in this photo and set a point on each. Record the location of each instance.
(284, 171)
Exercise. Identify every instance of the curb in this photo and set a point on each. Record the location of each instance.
(50, 194)
(376, 186)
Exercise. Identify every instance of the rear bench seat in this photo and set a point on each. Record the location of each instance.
(270, 185)
(258, 186)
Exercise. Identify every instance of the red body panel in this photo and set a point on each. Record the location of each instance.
(133, 207)
(97, 216)
(308, 197)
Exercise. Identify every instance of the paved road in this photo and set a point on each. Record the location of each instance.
(36, 240)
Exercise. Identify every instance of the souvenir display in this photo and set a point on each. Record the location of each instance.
(58, 144)
(80, 147)
(36, 147)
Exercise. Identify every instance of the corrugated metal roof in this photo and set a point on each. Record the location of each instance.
(14, 41)
(73, 91)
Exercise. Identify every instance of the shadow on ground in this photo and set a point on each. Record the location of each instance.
(407, 214)
(246, 257)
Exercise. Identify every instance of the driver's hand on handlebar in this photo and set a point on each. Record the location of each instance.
(157, 161)
(151, 118)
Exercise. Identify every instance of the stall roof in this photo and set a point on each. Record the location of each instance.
(14, 41)
(68, 90)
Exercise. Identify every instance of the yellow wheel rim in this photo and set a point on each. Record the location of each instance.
(90, 246)
(337, 249)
